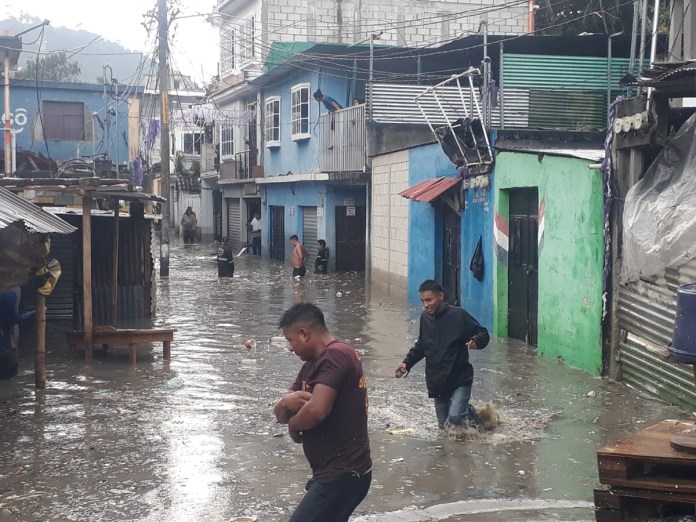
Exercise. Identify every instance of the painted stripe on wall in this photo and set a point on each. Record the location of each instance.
(501, 233)
(540, 231)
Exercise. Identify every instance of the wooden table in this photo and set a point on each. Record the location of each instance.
(131, 338)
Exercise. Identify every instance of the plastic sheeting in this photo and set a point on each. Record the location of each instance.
(660, 210)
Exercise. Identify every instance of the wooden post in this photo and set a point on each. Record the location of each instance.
(40, 355)
(114, 275)
(132, 353)
(167, 351)
(87, 273)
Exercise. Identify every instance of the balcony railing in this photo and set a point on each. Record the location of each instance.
(342, 140)
(242, 167)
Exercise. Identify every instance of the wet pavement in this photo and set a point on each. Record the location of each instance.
(195, 438)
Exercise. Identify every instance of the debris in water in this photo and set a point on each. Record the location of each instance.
(521, 472)
(174, 384)
(339, 294)
(248, 362)
(401, 431)
(591, 394)
(250, 344)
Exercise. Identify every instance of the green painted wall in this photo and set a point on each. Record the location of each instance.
(571, 259)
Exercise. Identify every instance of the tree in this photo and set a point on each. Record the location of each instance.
(55, 67)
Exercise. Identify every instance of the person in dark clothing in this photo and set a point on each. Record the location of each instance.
(330, 104)
(225, 259)
(326, 411)
(10, 316)
(321, 262)
(446, 335)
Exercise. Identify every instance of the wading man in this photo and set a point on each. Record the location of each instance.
(326, 412)
(300, 256)
(446, 335)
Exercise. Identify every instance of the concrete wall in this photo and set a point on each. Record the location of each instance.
(383, 138)
(571, 254)
(389, 220)
(180, 203)
(25, 101)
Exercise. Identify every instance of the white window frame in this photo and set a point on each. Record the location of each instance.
(196, 136)
(296, 112)
(227, 50)
(226, 141)
(247, 43)
(269, 123)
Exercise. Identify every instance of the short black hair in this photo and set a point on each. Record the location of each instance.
(305, 314)
(430, 285)
(294, 236)
(318, 94)
(321, 242)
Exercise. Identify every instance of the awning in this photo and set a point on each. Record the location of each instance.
(17, 210)
(428, 190)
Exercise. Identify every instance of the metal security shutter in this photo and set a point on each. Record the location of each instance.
(234, 221)
(647, 310)
(59, 305)
(309, 229)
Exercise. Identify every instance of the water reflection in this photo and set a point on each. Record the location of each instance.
(110, 442)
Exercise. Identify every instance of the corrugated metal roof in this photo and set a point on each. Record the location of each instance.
(550, 150)
(14, 209)
(426, 191)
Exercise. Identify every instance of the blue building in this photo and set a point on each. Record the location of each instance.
(66, 121)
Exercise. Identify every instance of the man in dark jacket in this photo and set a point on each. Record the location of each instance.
(446, 335)
(10, 316)
(225, 259)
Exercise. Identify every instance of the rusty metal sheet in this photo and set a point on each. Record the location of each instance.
(428, 190)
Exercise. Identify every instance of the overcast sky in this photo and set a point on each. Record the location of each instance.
(195, 41)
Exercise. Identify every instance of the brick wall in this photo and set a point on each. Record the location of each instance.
(416, 23)
(389, 220)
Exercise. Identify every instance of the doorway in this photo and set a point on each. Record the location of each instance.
(217, 215)
(277, 249)
(523, 263)
(451, 254)
(350, 238)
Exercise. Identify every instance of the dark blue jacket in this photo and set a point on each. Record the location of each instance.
(9, 316)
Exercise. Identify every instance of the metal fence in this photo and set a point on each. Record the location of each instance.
(342, 140)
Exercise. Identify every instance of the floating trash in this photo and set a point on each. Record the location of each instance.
(248, 362)
(174, 384)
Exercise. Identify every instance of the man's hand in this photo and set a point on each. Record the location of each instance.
(400, 370)
(293, 401)
(295, 435)
(471, 345)
(290, 404)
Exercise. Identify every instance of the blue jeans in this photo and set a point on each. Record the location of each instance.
(455, 408)
(332, 499)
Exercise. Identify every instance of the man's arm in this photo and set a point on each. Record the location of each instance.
(479, 335)
(335, 105)
(290, 404)
(315, 410)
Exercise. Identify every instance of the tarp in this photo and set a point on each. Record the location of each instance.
(660, 210)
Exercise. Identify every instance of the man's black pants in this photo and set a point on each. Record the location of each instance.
(332, 499)
(256, 246)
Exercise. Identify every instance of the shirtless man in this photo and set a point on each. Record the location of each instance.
(299, 257)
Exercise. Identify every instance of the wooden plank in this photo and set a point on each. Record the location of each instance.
(40, 355)
(87, 273)
(114, 260)
(653, 443)
(639, 504)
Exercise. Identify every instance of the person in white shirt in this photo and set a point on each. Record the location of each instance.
(255, 234)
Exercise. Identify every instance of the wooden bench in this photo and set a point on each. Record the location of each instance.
(132, 338)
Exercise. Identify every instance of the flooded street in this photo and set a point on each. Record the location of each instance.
(195, 438)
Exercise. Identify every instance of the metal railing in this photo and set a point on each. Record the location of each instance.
(243, 162)
(342, 140)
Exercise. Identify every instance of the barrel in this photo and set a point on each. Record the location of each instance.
(683, 347)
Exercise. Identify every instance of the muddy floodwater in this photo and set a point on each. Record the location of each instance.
(194, 438)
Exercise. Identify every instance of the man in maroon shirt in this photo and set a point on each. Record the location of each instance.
(326, 411)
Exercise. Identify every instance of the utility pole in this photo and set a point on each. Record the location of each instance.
(164, 135)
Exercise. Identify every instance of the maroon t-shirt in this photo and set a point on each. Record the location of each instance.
(339, 445)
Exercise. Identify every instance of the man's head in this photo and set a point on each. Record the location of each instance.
(321, 245)
(304, 327)
(225, 239)
(294, 240)
(189, 210)
(257, 215)
(432, 296)
(318, 95)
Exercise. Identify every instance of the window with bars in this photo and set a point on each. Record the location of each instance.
(272, 122)
(192, 142)
(226, 50)
(247, 50)
(63, 120)
(300, 111)
(226, 141)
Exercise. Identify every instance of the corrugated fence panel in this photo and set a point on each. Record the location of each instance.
(647, 310)
(567, 110)
(562, 73)
(395, 103)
